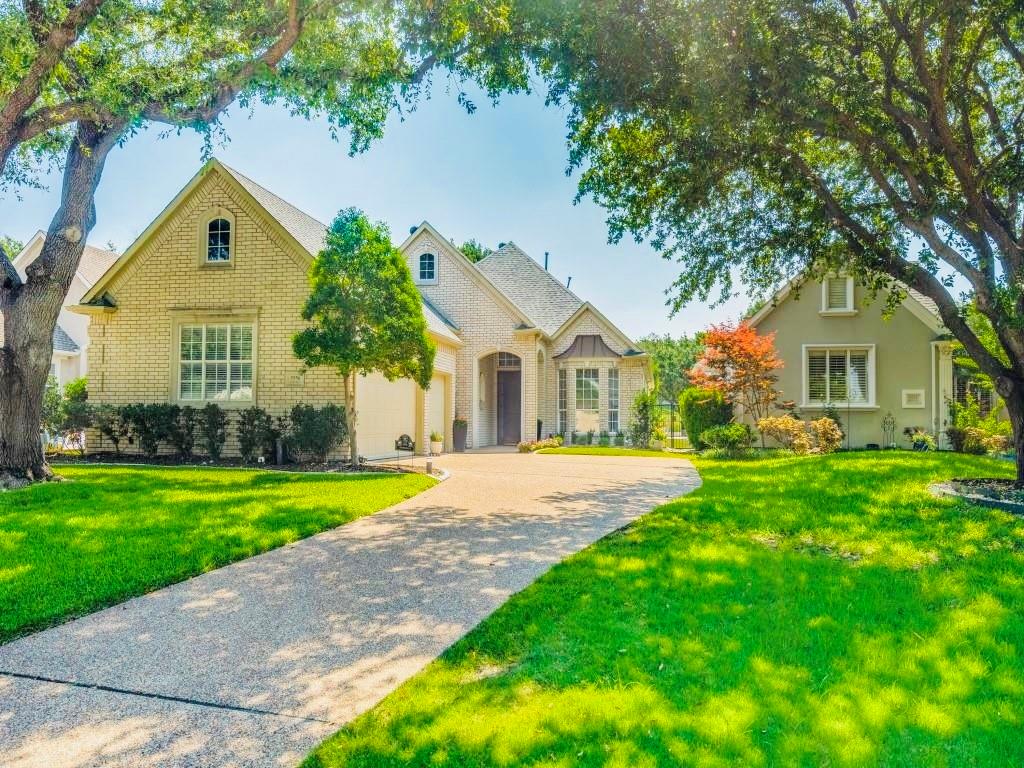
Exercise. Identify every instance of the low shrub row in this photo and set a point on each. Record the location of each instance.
(594, 438)
(307, 432)
(529, 446)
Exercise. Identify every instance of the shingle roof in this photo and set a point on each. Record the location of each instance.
(437, 322)
(62, 342)
(530, 287)
(924, 301)
(309, 232)
(95, 261)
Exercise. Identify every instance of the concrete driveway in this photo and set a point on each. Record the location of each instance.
(255, 663)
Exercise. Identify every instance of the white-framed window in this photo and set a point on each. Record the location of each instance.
(839, 375)
(613, 400)
(215, 362)
(587, 399)
(837, 295)
(428, 268)
(507, 360)
(563, 401)
(218, 241)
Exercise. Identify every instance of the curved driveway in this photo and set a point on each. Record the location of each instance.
(255, 663)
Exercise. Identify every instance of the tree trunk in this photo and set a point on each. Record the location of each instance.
(30, 309)
(1013, 395)
(350, 418)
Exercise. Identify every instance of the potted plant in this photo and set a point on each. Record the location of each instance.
(436, 443)
(459, 434)
(658, 439)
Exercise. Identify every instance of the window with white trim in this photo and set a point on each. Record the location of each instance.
(218, 241)
(587, 399)
(428, 267)
(837, 294)
(839, 375)
(215, 362)
(613, 400)
(563, 401)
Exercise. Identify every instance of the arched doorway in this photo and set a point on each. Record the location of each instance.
(510, 398)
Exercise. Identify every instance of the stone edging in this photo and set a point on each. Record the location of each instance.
(947, 489)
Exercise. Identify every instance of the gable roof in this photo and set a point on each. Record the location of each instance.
(530, 287)
(94, 263)
(64, 343)
(919, 305)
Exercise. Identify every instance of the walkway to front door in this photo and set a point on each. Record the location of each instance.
(256, 663)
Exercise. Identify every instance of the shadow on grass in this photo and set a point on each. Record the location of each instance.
(793, 611)
(109, 533)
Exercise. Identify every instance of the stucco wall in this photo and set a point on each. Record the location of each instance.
(903, 360)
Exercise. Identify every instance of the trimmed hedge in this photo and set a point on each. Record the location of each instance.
(703, 409)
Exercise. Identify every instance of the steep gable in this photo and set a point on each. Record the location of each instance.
(533, 289)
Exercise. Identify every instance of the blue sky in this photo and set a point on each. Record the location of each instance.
(495, 175)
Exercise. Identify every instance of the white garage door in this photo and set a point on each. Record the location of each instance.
(386, 409)
(435, 405)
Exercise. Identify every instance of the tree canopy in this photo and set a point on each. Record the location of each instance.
(10, 247)
(672, 358)
(474, 250)
(364, 311)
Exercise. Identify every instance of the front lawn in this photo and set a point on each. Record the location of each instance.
(110, 533)
(610, 450)
(791, 612)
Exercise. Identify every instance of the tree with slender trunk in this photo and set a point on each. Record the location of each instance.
(81, 77)
(773, 138)
(365, 313)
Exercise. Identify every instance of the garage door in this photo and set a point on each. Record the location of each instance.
(435, 405)
(387, 409)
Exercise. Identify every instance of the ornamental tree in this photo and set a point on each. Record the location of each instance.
(740, 363)
(762, 140)
(80, 77)
(365, 312)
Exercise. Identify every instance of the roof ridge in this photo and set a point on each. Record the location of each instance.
(538, 267)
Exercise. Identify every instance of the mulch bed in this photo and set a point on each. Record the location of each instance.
(329, 467)
(998, 493)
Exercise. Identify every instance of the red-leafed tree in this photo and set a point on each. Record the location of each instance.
(741, 364)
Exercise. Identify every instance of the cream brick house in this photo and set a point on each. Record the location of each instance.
(837, 348)
(204, 304)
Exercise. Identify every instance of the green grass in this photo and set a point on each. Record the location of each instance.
(110, 533)
(609, 450)
(792, 612)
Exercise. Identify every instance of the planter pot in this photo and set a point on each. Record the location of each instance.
(459, 436)
(436, 448)
(657, 445)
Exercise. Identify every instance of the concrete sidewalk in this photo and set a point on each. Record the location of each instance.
(255, 663)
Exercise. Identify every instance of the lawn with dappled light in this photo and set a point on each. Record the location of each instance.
(611, 450)
(110, 532)
(790, 612)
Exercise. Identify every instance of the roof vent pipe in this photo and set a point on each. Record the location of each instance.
(568, 282)
(545, 261)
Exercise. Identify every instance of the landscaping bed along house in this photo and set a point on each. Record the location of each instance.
(793, 610)
(113, 532)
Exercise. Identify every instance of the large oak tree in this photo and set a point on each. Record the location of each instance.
(80, 77)
(767, 138)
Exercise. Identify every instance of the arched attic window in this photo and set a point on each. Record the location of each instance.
(218, 241)
(428, 268)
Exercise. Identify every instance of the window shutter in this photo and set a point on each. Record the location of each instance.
(816, 391)
(837, 293)
(858, 376)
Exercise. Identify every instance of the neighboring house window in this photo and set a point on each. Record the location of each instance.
(964, 387)
(613, 400)
(508, 360)
(839, 375)
(215, 362)
(837, 294)
(563, 401)
(218, 241)
(428, 267)
(587, 397)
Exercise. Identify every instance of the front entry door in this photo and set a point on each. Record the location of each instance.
(509, 405)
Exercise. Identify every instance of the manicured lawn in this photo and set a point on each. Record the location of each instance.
(610, 450)
(114, 532)
(791, 612)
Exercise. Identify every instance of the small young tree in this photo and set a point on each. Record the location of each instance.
(741, 364)
(365, 312)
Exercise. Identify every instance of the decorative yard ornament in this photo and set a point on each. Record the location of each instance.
(889, 430)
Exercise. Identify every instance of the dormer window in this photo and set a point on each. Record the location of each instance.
(218, 241)
(428, 268)
(837, 296)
